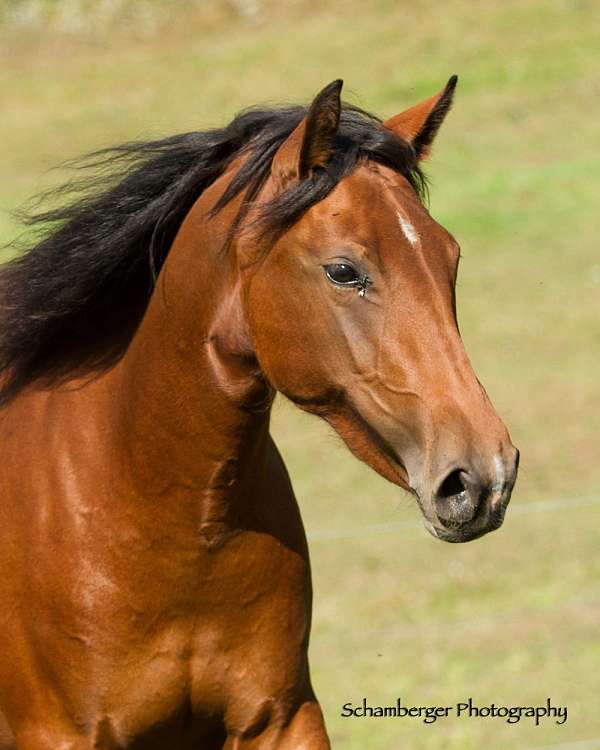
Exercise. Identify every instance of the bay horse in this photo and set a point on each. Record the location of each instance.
(155, 584)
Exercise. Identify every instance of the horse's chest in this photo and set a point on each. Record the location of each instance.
(224, 642)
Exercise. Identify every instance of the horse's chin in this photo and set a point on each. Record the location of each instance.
(480, 526)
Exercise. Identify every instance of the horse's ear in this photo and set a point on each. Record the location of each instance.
(420, 124)
(310, 146)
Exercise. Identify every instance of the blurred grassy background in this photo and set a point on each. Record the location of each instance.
(512, 618)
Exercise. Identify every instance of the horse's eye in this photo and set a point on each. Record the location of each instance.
(342, 273)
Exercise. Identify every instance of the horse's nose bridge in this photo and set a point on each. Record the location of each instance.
(453, 378)
(430, 361)
(464, 420)
(468, 410)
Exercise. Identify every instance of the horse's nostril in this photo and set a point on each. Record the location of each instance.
(456, 499)
(452, 485)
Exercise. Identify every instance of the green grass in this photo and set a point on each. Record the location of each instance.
(512, 618)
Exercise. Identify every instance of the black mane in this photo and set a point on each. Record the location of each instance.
(73, 300)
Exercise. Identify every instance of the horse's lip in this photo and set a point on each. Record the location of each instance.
(457, 536)
(489, 517)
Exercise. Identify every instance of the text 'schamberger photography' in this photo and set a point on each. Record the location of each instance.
(299, 375)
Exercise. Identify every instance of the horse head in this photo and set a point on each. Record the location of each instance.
(352, 314)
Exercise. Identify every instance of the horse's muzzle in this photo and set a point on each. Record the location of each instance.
(467, 503)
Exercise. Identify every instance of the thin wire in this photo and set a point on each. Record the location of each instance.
(536, 506)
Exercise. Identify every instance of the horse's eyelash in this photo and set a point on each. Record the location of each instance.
(363, 284)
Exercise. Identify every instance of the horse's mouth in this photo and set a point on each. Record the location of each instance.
(489, 517)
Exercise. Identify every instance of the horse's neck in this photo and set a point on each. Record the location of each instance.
(193, 409)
